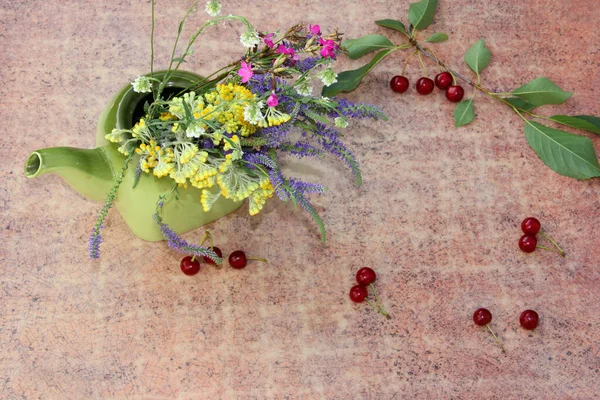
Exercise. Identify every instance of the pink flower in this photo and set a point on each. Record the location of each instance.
(245, 72)
(329, 48)
(272, 100)
(314, 29)
(288, 51)
(282, 49)
(269, 40)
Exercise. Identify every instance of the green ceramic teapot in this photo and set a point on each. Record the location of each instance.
(92, 172)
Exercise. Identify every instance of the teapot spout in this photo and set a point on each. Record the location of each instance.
(87, 170)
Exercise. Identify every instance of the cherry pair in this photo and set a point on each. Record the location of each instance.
(443, 81)
(238, 259)
(528, 242)
(365, 277)
(482, 317)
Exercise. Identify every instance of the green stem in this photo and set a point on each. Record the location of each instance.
(179, 29)
(496, 337)
(423, 64)
(407, 60)
(562, 253)
(378, 307)
(152, 43)
(258, 259)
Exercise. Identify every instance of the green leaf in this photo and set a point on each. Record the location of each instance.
(393, 24)
(179, 59)
(541, 91)
(437, 38)
(478, 56)
(464, 113)
(349, 80)
(585, 122)
(366, 44)
(421, 13)
(565, 153)
(520, 103)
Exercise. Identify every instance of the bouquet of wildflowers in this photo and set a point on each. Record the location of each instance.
(229, 129)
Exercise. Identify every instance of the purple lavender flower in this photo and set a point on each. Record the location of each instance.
(358, 111)
(94, 243)
(307, 64)
(301, 149)
(207, 144)
(278, 182)
(260, 158)
(328, 138)
(176, 242)
(300, 187)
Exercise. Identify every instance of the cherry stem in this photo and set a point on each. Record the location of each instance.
(257, 259)
(560, 251)
(439, 67)
(423, 64)
(496, 337)
(407, 60)
(377, 307)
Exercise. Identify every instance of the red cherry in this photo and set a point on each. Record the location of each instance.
(399, 84)
(531, 226)
(528, 243)
(482, 317)
(425, 86)
(529, 319)
(188, 266)
(455, 93)
(358, 294)
(444, 80)
(210, 261)
(237, 259)
(365, 276)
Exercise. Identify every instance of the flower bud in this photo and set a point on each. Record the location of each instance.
(280, 60)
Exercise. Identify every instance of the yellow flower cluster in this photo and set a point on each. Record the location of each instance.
(219, 116)
(226, 106)
(259, 197)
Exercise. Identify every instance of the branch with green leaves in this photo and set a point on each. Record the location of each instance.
(567, 154)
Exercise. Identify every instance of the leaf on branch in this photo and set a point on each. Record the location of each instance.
(568, 154)
(478, 56)
(520, 103)
(464, 113)
(349, 80)
(542, 91)
(393, 24)
(421, 13)
(366, 44)
(437, 38)
(585, 122)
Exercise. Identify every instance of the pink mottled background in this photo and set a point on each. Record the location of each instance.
(437, 217)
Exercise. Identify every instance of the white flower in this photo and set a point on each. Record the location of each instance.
(250, 39)
(328, 76)
(253, 114)
(142, 84)
(303, 87)
(213, 8)
(194, 131)
(116, 135)
(341, 122)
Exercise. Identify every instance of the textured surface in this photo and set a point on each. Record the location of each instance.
(438, 218)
